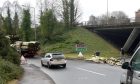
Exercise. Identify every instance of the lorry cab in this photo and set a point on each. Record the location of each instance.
(131, 74)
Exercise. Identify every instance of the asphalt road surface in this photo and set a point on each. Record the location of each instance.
(81, 72)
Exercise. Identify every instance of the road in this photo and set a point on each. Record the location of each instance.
(81, 72)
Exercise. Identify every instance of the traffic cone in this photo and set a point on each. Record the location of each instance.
(80, 55)
(23, 60)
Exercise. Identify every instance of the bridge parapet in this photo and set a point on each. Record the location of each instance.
(99, 23)
(116, 26)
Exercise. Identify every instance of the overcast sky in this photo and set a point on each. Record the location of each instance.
(97, 7)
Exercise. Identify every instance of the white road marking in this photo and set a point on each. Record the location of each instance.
(90, 71)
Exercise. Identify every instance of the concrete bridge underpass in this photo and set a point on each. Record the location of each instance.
(125, 36)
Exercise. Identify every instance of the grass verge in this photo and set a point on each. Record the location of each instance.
(92, 41)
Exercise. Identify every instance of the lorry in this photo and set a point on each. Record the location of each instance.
(27, 49)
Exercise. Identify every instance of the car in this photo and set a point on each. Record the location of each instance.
(131, 74)
(53, 59)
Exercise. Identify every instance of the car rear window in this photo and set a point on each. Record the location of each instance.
(58, 56)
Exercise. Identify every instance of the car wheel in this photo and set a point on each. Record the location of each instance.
(64, 65)
(42, 63)
(48, 65)
(121, 83)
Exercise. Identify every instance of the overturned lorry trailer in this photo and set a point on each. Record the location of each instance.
(28, 49)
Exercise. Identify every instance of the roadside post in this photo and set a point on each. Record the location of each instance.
(97, 53)
(122, 56)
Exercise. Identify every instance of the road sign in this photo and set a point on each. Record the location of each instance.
(80, 47)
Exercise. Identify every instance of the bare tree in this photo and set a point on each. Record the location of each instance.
(66, 13)
(115, 18)
(92, 20)
(102, 20)
(120, 17)
(74, 12)
(45, 5)
(71, 12)
(112, 20)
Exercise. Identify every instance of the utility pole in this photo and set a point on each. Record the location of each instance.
(34, 22)
(107, 12)
(0, 18)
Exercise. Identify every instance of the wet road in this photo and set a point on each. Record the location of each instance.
(81, 72)
(33, 75)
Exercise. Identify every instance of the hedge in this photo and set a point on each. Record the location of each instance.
(9, 71)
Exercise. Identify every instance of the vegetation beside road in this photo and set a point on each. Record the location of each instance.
(52, 24)
(9, 71)
(92, 41)
(57, 32)
(9, 61)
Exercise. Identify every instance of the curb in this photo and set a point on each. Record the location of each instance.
(39, 68)
(48, 76)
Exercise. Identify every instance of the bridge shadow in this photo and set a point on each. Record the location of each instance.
(117, 35)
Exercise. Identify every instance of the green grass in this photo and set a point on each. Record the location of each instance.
(92, 41)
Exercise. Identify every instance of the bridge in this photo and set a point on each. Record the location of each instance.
(126, 36)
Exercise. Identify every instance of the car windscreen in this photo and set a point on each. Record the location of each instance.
(58, 56)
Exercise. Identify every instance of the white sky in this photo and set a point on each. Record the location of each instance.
(99, 7)
(96, 7)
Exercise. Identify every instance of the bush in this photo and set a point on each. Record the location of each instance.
(10, 55)
(6, 52)
(9, 71)
(2, 81)
(13, 57)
